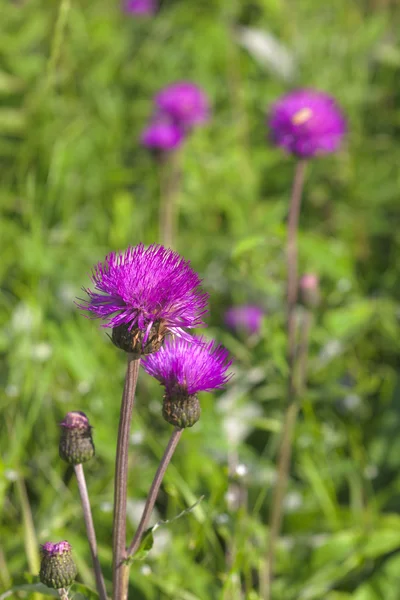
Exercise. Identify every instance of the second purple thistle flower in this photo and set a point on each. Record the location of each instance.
(184, 369)
(306, 123)
(144, 293)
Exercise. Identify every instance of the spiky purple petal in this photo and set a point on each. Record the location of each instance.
(143, 285)
(193, 367)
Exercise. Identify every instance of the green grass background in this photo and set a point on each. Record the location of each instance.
(76, 86)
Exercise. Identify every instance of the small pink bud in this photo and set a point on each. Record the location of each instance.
(309, 290)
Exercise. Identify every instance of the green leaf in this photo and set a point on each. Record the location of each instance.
(83, 592)
(145, 545)
(38, 588)
(30, 585)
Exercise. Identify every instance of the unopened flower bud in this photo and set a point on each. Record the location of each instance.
(309, 290)
(76, 443)
(181, 409)
(138, 342)
(57, 568)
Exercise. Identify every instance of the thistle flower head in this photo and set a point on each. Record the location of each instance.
(57, 568)
(191, 367)
(76, 443)
(306, 123)
(184, 369)
(146, 292)
(246, 318)
(162, 134)
(140, 7)
(184, 102)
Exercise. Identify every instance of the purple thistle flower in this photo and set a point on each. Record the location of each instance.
(57, 567)
(306, 123)
(162, 134)
(184, 102)
(140, 7)
(246, 318)
(146, 287)
(189, 367)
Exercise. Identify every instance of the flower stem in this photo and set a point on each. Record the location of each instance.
(62, 592)
(91, 534)
(285, 449)
(62, 19)
(169, 182)
(153, 493)
(120, 570)
(306, 324)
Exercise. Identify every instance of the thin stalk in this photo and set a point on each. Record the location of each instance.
(31, 545)
(285, 450)
(120, 570)
(61, 23)
(153, 493)
(170, 178)
(62, 592)
(91, 534)
(302, 360)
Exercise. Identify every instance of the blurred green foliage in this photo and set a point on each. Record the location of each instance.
(76, 87)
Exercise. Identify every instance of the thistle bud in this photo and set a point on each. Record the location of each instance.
(76, 444)
(181, 409)
(309, 290)
(138, 342)
(57, 568)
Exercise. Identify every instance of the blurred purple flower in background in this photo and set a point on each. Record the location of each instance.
(246, 318)
(184, 102)
(140, 7)
(162, 134)
(306, 123)
(178, 108)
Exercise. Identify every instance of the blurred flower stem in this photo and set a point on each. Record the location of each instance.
(120, 569)
(91, 534)
(285, 449)
(155, 487)
(305, 328)
(170, 179)
(62, 592)
(61, 22)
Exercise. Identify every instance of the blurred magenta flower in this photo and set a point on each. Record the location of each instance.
(162, 134)
(307, 123)
(185, 103)
(142, 287)
(140, 7)
(246, 318)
